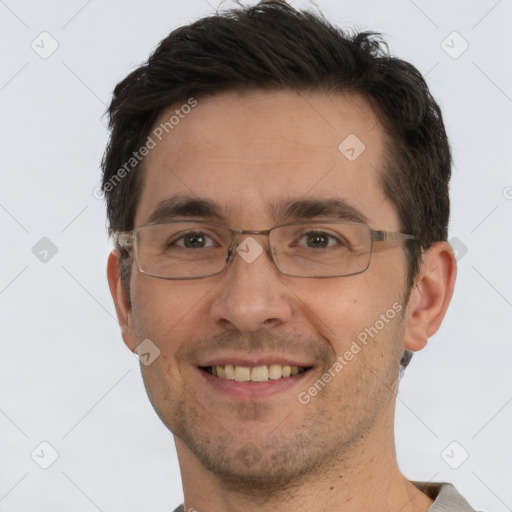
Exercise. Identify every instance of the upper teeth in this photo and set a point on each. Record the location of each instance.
(255, 373)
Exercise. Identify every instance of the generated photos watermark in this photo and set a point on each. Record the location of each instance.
(368, 333)
(156, 136)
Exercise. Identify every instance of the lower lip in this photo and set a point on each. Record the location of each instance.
(252, 390)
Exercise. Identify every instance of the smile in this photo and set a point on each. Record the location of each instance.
(261, 373)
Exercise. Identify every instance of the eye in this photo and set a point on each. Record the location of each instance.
(193, 240)
(320, 240)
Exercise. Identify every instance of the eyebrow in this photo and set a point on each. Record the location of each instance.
(280, 210)
(333, 207)
(186, 206)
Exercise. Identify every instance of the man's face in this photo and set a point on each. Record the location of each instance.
(247, 152)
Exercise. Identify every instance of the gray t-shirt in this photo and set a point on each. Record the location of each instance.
(445, 496)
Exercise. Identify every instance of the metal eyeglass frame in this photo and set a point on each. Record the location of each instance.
(127, 240)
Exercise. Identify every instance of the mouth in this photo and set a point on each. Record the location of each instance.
(262, 373)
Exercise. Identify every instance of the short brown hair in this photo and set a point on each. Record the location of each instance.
(273, 46)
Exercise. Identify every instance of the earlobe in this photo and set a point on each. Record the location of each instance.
(430, 296)
(121, 300)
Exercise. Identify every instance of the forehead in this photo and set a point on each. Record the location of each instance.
(250, 151)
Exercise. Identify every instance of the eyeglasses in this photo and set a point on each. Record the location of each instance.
(193, 250)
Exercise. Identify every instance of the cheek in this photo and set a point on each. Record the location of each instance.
(362, 307)
(165, 311)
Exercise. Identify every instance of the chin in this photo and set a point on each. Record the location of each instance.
(258, 469)
(266, 462)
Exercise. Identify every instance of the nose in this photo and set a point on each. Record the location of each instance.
(252, 294)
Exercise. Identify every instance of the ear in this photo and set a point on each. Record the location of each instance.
(121, 300)
(430, 296)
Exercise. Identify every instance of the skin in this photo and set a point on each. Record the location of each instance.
(257, 453)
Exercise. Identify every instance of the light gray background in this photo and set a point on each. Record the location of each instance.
(65, 376)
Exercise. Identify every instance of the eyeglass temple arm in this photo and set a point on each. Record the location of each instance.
(382, 236)
(123, 239)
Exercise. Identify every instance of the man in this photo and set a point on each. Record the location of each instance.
(278, 195)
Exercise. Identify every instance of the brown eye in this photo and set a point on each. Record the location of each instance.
(194, 240)
(319, 240)
(191, 240)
